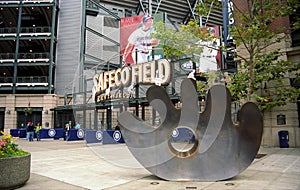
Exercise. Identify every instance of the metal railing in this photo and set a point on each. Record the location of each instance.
(30, 79)
(35, 30)
(8, 30)
(33, 55)
(7, 56)
(9, 1)
(6, 79)
(25, 56)
(44, 1)
(25, 1)
(43, 30)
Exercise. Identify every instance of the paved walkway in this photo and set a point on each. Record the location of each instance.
(60, 165)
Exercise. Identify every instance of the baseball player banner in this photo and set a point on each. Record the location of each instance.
(136, 44)
(210, 58)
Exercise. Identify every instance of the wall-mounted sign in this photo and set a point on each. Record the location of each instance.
(188, 66)
(154, 72)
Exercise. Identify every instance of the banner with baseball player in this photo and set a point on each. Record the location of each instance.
(136, 44)
(210, 59)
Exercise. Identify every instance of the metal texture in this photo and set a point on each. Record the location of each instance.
(221, 149)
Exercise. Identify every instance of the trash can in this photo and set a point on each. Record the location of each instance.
(283, 139)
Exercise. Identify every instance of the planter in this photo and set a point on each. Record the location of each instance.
(15, 171)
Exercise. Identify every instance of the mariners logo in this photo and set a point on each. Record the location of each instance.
(51, 132)
(175, 133)
(117, 135)
(99, 135)
(80, 133)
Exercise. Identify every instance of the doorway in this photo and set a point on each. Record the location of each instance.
(2, 120)
(22, 118)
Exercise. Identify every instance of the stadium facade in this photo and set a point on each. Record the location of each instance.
(50, 51)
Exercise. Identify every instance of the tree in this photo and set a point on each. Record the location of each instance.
(184, 41)
(262, 61)
(263, 68)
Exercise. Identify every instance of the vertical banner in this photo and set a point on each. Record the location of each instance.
(136, 43)
(210, 58)
(228, 19)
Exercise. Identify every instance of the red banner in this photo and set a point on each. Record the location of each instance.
(135, 41)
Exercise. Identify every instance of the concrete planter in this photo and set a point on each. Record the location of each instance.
(15, 171)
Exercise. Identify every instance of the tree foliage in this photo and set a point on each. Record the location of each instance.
(184, 41)
(263, 67)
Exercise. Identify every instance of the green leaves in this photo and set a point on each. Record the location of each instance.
(177, 43)
(264, 69)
